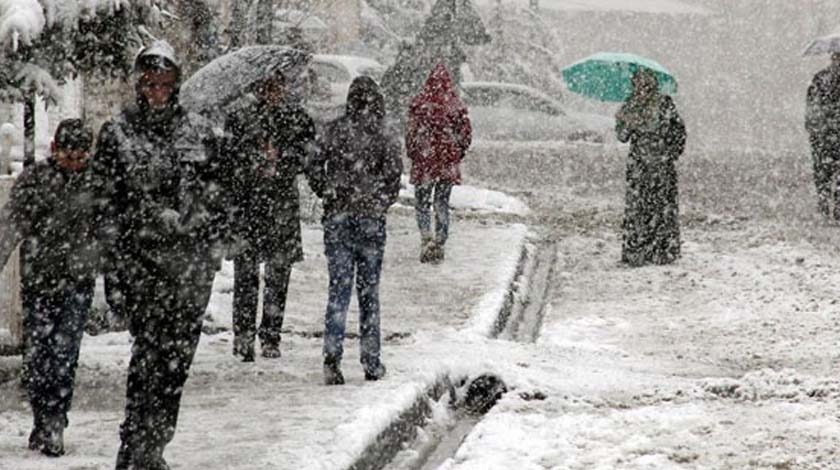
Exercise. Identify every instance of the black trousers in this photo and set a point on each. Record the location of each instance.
(826, 179)
(55, 313)
(165, 314)
(246, 281)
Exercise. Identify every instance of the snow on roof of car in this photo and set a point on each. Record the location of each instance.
(354, 64)
(509, 86)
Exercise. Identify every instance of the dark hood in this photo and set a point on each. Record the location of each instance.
(365, 104)
(163, 55)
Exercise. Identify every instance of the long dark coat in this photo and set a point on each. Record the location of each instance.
(822, 121)
(651, 232)
(264, 197)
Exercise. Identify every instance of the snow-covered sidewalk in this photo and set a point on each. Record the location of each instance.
(276, 414)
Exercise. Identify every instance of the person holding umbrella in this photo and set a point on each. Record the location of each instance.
(822, 121)
(51, 209)
(438, 136)
(650, 122)
(270, 140)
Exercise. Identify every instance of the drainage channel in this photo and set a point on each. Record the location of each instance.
(432, 430)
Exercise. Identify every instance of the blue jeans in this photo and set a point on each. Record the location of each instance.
(354, 246)
(423, 204)
(54, 321)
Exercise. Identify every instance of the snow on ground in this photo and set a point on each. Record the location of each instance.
(643, 6)
(479, 200)
(277, 414)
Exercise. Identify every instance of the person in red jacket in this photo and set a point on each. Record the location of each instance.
(438, 136)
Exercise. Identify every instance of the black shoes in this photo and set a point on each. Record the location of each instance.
(244, 349)
(375, 373)
(332, 372)
(270, 350)
(47, 436)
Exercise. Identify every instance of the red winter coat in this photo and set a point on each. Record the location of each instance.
(439, 131)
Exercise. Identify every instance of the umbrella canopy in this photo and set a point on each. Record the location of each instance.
(823, 45)
(230, 76)
(607, 76)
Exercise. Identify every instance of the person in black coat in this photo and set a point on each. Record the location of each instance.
(269, 142)
(160, 225)
(357, 175)
(650, 122)
(822, 121)
(51, 209)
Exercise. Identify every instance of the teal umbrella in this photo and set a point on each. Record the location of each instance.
(606, 76)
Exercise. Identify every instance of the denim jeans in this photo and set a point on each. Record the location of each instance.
(54, 321)
(423, 194)
(354, 246)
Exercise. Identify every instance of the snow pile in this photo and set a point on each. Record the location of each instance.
(767, 384)
(20, 20)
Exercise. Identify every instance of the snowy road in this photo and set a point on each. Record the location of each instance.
(727, 359)
(724, 360)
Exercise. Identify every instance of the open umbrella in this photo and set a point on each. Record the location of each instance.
(823, 45)
(607, 76)
(230, 76)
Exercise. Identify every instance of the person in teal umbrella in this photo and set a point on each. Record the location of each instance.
(649, 121)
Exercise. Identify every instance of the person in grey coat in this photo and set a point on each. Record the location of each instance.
(822, 121)
(160, 226)
(357, 175)
(51, 210)
(269, 142)
(650, 122)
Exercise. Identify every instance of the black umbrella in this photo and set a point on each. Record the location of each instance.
(229, 77)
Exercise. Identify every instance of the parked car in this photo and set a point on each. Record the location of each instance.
(509, 111)
(329, 80)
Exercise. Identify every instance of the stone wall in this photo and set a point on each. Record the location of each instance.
(10, 306)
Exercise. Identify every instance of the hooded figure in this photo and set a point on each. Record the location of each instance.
(438, 136)
(159, 223)
(357, 174)
(650, 122)
(51, 209)
(822, 121)
(269, 143)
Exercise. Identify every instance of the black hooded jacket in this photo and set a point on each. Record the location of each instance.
(358, 168)
(51, 209)
(159, 205)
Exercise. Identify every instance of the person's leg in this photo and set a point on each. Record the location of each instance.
(39, 314)
(423, 214)
(822, 181)
(368, 256)
(443, 191)
(163, 351)
(277, 275)
(340, 267)
(246, 288)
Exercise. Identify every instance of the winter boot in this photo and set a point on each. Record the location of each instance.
(375, 373)
(436, 253)
(271, 350)
(53, 436)
(332, 372)
(243, 348)
(427, 245)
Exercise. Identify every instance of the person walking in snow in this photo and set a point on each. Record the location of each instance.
(160, 227)
(270, 141)
(822, 121)
(437, 138)
(51, 209)
(357, 175)
(650, 122)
